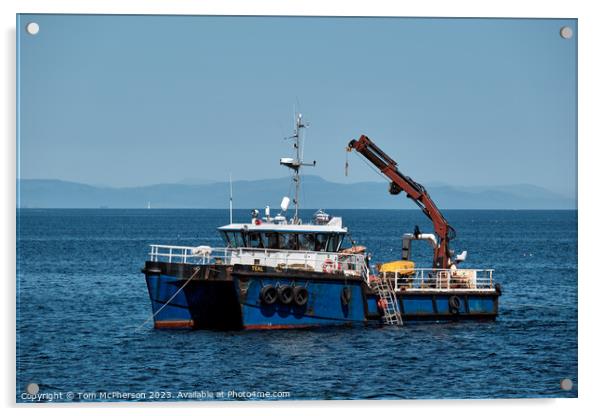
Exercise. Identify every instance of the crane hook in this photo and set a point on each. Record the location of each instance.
(347, 161)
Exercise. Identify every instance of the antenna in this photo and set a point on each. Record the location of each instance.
(230, 198)
(296, 163)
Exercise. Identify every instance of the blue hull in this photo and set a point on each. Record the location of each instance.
(325, 305)
(222, 297)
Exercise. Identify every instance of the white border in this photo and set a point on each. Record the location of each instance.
(590, 30)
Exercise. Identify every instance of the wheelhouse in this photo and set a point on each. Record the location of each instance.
(284, 237)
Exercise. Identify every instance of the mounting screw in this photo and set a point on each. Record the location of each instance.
(566, 384)
(566, 32)
(32, 388)
(32, 28)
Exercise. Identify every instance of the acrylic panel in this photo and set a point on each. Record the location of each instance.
(295, 208)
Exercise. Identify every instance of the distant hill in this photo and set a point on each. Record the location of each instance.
(316, 193)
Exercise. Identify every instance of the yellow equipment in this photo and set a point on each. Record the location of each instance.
(402, 267)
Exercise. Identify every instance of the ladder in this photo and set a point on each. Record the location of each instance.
(391, 312)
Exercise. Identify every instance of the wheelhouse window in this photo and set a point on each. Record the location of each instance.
(225, 238)
(290, 241)
(330, 242)
(341, 239)
(273, 240)
(307, 242)
(255, 240)
(233, 239)
(322, 242)
(334, 242)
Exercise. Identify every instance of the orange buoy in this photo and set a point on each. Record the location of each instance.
(382, 303)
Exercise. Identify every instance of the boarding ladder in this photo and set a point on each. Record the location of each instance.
(391, 312)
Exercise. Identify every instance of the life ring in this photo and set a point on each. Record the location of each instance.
(268, 295)
(328, 266)
(300, 295)
(285, 294)
(454, 305)
(346, 295)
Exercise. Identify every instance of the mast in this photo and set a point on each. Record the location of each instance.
(230, 198)
(297, 178)
(296, 163)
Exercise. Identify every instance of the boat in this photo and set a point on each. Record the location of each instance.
(277, 272)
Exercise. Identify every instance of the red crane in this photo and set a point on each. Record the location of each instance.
(399, 182)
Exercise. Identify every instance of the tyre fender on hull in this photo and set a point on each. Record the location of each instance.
(268, 295)
(454, 305)
(346, 295)
(300, 295)
(285, 294)
(498, 289)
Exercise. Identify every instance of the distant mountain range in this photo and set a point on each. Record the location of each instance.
(316, 193)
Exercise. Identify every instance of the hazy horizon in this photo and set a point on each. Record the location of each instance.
(316, 192)
(193, 182)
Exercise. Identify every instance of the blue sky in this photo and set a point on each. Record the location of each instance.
(135, 100)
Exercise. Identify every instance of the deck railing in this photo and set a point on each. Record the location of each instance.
(349, 264)
(180, 254)
(319, 261)
(442, 279)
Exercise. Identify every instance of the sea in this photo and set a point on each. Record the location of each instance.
(84, 334)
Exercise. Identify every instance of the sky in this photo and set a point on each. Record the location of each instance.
(138, 100)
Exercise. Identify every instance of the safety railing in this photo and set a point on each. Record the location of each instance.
(441, 279)
(317, 261)
(184, 254)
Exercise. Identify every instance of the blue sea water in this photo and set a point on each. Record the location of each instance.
(81, 301)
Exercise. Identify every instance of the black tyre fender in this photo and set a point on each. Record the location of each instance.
(285, 294)
(300, 295)
(498, 289)
(268, 295)
(454, 305)
(346, 295)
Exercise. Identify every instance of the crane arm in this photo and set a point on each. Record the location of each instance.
(414, 191)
